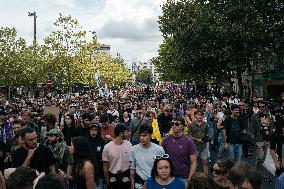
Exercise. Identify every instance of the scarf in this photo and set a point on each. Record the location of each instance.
(58, 150)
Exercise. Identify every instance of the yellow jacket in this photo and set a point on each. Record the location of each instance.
(156, 132)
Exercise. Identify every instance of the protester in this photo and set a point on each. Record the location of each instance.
(107, 129)
(244, 175)
(49, 123)
(32, 154)
(199, 133)
(84, 168)
(201, 181)
(68, 128)
(126, 119)
(162, 175)
(141, 157)
(115, 160)
(64, 161)
(232, 130)
(51, 181)
(220, 171)
(136, 123)
(21, 178)
(164, 121)
(261, 128)
(83, 129)
(182, 151)
(96, 145)
(156, 135)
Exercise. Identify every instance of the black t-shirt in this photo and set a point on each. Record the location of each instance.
(233, 130)
(68, 133)
(164, 123)
(81, 131)
(276, 143)
(96, 146)
(41, 160)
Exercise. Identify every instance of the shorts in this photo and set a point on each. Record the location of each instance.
(204, 155)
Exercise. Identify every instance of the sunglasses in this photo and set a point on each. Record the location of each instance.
(164, 156)
(261, 106)
(138, 112)
(177, 123)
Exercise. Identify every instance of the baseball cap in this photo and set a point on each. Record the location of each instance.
(95, 125)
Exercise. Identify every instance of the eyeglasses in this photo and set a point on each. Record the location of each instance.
(177, 123)
(164, 156)
(261, 106)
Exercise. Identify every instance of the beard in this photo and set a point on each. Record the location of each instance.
(51, 142)
(30, 146)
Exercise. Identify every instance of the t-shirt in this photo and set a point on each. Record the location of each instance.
(142, 159)
(117, 155)
(96, 146)
(198, 132)
(180, 149)
(233, 130)
(109, 130)
(68, 133)
(81, 131)
(41, 160)
(175, 184)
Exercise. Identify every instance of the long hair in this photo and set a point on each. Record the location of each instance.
(154, 171)
(72, 118)
(82, 154)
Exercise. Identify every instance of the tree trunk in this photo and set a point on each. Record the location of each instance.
(240, 84)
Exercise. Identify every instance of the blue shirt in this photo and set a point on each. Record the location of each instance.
(175, 184)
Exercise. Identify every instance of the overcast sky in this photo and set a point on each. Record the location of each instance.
(129, 26)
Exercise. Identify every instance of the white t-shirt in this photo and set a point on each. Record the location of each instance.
(142, 159)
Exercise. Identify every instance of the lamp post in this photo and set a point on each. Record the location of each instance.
(34, 15)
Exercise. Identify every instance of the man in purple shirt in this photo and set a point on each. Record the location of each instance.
(182, 150)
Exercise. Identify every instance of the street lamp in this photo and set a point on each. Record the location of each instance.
(34, 15)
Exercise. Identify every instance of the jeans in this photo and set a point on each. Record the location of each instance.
(261, 151)
(100, 184)
(235, 151)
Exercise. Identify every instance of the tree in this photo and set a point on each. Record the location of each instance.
(63, 45)
(213, 38)
(66, 58)
(144, 76)
(10, 56)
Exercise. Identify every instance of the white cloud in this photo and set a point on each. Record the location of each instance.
(129, 26)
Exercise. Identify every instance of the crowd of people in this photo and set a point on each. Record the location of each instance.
(154, 138)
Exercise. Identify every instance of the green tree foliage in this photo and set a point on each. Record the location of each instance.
(66, 57)
(209, 39)
(144, 76)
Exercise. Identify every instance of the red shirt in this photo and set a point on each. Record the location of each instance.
(107, 130)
